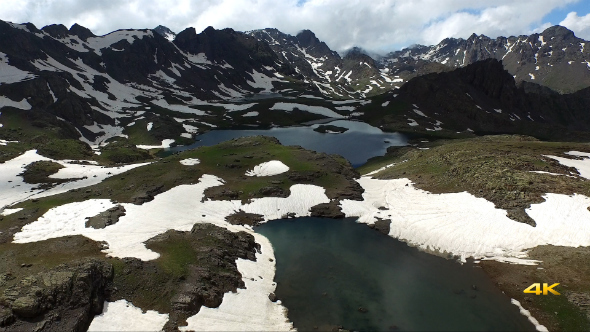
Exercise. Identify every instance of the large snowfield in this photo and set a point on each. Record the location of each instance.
(13, 189)
(467, 226)
(458, 223)
(464, 225)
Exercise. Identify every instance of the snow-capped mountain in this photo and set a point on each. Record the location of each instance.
(355, 74)
(555, 58)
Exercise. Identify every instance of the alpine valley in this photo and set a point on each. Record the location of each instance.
(136, 169)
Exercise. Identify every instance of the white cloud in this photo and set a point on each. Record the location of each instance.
(341, 24)
(579, 24)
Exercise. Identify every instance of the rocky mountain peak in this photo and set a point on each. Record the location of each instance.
(420, 46)
(307, 38)
(559, 32)
(358, 54)
(209, 30)
(185, 35)
(473, 37)
(354, 52)
(80, 31)
(58, 31)
(165, 32)
(32, 28)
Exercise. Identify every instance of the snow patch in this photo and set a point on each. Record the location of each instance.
(7, 212)
(124, 316)
(268, 168)
(7, 102)
(383, 168)
(98, 43)
(4, 142)
(527, 314)
(420, 113)
(105, 132)
(548, 173)
(190, 161)
(10, 74)
(200, 58)
(262, 81)
(583, 166)
(252, 113)
(17, 190)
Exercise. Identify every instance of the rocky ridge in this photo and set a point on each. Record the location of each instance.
(355, 74)
(478, 99)
(555, 58)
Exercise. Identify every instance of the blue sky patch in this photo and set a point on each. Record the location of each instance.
(559, 14)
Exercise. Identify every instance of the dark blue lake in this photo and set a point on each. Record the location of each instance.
(328, 269)
(361, 142)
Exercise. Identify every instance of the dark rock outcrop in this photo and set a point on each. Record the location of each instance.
(106, 218)
(80, 31)
(383, 226)
(209, 271)
(65, 298)
(330, 129)
(244, 218)
(327, 210)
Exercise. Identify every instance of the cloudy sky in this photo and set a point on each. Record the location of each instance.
(377, 25)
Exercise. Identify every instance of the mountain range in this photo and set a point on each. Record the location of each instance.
(555, 58)
(99, 87)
